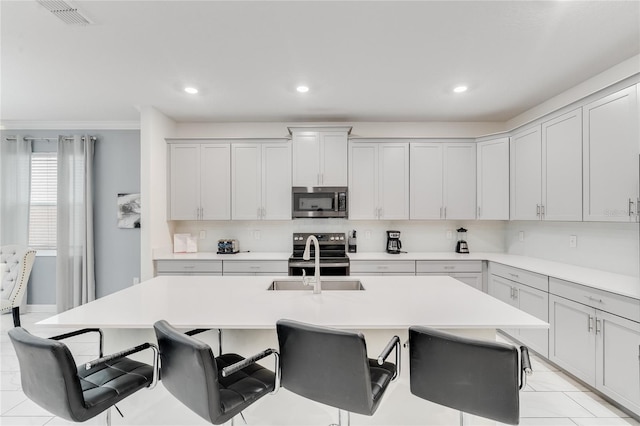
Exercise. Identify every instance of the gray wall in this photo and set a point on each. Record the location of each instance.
(117, 251)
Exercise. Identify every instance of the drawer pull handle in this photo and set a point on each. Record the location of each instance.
(254, 267)
(514, 275)
(383, 267)
(593, 299)
(449, 267)
(189, 266)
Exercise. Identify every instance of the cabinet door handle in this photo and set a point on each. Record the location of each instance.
(440, 212)
(478, 212)
(590, 324)
(445, 212)
(515, 293)
(598, 326)
(541, 211)
(538, 210)
(511, 295)
(631, 205)
(593, 299)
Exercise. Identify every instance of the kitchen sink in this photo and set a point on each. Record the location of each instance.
(326, 284)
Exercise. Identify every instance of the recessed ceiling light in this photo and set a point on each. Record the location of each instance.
(460, 89)
(191, 90)
(302, 89)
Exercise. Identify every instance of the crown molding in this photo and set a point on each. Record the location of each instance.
(69, 125)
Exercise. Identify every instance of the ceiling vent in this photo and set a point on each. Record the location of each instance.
(65, 12)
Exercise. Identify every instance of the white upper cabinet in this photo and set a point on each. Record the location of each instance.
(443, 180)
(526, 174)
(611, 151)
(320, 157)
(546, 170)
(261, 181)
(493, 179)
(199, 181)
(379, 180)
(562, 167)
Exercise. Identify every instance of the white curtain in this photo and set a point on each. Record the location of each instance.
(75, 278)
(15, 189)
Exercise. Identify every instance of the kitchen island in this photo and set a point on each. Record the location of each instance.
(247, 312)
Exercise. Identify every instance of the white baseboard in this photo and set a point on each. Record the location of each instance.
(41, 308)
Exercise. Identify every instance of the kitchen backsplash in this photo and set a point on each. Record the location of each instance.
(416, 236)
(610, 247)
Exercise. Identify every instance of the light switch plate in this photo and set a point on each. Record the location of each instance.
(203, 234)
(573, 241)
(521, 236)
(449, 234)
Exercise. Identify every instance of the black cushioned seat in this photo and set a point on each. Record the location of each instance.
(331, 366)
(474, 376)
(193, 375)
(51, 379)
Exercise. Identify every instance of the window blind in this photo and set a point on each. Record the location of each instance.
(42, 214)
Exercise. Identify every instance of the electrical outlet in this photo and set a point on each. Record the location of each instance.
(203, 234)
(521, 235)
(367, 234)
(256, 234)
(449, 234)
(573, 241)
(136, 280)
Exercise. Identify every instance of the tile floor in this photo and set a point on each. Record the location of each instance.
(551, 398)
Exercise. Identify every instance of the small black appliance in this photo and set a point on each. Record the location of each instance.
(393, 242)
(461, 245)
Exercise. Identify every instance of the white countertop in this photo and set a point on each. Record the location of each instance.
(615, 283)
(245, 303)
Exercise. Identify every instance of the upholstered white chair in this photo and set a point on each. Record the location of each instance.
(15, 267)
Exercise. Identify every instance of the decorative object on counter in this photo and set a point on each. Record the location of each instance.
(461, 245)
(393, 242)
(353, 242)
(129, 211)
(227, 246)
(184, 243)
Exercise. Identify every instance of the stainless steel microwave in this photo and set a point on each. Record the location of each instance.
(319, 201)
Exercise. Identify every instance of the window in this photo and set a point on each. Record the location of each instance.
(42, 214)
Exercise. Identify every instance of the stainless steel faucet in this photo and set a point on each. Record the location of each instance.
(317, 288)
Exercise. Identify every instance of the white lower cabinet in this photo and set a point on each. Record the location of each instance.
(598, 347)
(529, 294)
(255, 267)
(374, 267)
(618, 359)
(467, 271)
(188, 267)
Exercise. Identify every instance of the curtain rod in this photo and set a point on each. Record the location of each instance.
(93, 138)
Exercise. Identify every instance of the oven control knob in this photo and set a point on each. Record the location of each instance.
(341, 238)
(332, 238)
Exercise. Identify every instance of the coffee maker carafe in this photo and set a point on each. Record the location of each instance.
(393, 242)
(462, 246)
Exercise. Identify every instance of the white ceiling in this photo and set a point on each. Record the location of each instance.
(364, 61)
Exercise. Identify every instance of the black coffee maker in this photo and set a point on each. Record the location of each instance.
(462, 246)
(393, 242)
